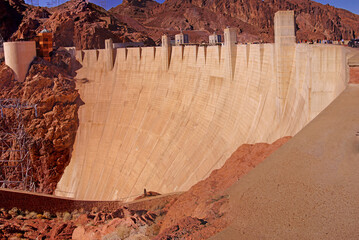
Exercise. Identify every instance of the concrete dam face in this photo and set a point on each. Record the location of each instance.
(162, 118)
(164, 126)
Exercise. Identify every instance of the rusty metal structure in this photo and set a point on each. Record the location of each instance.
(44, 44)
(1, 48)
(15, 163)
(1, 41)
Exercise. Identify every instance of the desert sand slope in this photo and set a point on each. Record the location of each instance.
(309, 188)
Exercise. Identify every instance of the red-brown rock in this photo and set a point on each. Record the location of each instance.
(202, 210)
(354, 75)
(254, 19)
(11, 14)
(52, 133)
(75, 23)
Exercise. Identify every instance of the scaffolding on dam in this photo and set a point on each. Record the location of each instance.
(15, 163)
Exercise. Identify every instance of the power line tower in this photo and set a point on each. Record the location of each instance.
(1, 49)
(1, 41)
(51, 3)
(54, 3)
(15, 162)
(102, 3)
(33, 2)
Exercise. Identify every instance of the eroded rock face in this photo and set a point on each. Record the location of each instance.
(254, 19)
(81, 24)
(76, 23)
(52, 133)
(10, 16)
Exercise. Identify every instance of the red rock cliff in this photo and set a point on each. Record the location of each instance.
(52, 132)
(252, 18)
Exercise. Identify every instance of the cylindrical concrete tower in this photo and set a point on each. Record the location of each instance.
(284, 35)
(284, 27)
(166, 52)
(110, 59)
(230, 40)
(18, 56)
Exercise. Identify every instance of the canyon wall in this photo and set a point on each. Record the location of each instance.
(163, 118)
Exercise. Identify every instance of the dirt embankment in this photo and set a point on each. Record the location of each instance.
(51, 133)
(203, 210)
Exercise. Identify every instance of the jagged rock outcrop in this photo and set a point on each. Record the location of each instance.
(11, 14)
(76, 23)
(138, 9)
(79, 224)
(354, 75)
(52, 133)
(253, 19)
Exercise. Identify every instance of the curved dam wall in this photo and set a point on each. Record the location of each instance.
(163, 118)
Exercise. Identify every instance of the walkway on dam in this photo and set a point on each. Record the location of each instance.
(309, 188)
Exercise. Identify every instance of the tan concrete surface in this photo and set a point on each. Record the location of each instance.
(164, 126)
(354, 57)
(284, 27)
(284, 49)
(18, 56)
(308, 189)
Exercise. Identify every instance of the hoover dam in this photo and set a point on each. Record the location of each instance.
(163, 118)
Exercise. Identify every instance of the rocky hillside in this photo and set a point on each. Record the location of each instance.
(252, 18)
(81, 24)
(11, 14)
(74, 23)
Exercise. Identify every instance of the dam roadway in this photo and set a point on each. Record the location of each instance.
(164, 122)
